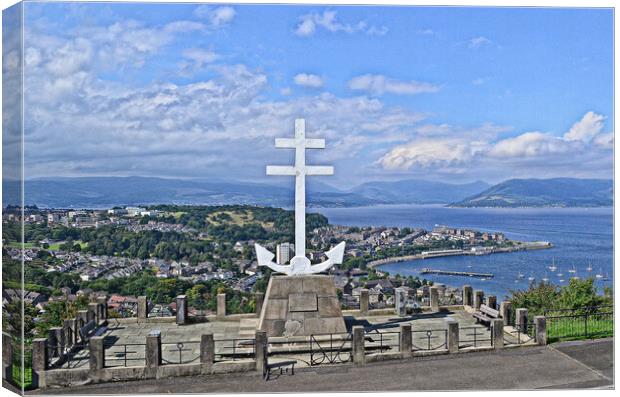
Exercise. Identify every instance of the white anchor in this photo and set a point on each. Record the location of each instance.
(300, 264)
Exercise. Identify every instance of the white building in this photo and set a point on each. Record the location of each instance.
(135, 211)
(284, 253)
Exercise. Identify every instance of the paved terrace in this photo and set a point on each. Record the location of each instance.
(126, 340)
(568, 365)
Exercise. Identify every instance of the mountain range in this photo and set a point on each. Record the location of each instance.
(106, 192)
(556, 192)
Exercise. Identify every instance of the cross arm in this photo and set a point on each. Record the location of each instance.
(280, 170)
(319, 170)
(291, 143)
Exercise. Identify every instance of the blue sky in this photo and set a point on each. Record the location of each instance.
(187, 90)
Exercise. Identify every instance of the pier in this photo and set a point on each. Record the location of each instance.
(453, 273)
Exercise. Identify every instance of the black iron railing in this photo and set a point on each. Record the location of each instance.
(180, 352)
(429, 339)
(234, 349)
(330, 349)
(381, 341)
(475, 337)
(124, 354)
(520, 334)
(583, 324)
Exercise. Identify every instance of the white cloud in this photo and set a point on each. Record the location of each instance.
(379, 84)
(442, 148)
(308, 80)
(327, 20)
(478, 42)
(217, 16)
(590, 125)
(427, 153)
(530, 144)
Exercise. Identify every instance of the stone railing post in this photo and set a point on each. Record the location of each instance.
(207, 351)
(358, 350)
(505, 311)
(497, 333)
(182, 315)
(93, 312)
(521, 320)
(492, 301)
(40, 360)
(261, 351)
(405, 341)
(434, 292)
(468, 295)
(259, 298)
(69, 327)
(400, 300)
(541, 329)
(143, 308)
(364, 301)
(52, 342)
(453, 335)
(103, 302)
(96, 353)
(478, 297)
(221, 305)
(7, 356)
(82, 318)
(153, 353)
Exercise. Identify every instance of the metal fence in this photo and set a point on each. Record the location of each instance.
(375, 341)
(180, 352)
(587, 322)
(234, 349)
(520, 334)
(330, 349)
(475, 337)
(430, 339)
(124, 354)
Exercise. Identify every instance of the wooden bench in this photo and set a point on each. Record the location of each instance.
(486, 314)
(89, 330)
(282, 365)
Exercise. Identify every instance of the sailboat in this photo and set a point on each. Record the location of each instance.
(553, 267)
(589, 268)
(599, 275)
(545, 279)
(560, 274)
(573, 270)
(606, 278)
(520, 275)
(531, 278)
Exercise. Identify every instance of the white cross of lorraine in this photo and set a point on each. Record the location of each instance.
(300, 264)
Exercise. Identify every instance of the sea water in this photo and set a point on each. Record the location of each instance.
(580, 236)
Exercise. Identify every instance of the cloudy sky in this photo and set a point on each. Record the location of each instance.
(187, 90)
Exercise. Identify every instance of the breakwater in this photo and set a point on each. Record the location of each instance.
(521, 246)
(454, 273)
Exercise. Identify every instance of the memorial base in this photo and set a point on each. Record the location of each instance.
(301, 306)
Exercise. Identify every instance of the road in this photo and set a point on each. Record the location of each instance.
(569, 365)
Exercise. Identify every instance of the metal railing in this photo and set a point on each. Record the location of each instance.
(381, 341)
(520, 334)
(475, 337)
(588, 324)
(429, 339)
(119, 355)
(335, 350)
(234, 349)
(180, 352)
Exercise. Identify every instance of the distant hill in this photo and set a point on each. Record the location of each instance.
(105, 192)
(418, 191)
(556, 192)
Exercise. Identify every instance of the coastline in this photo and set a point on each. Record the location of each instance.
(524, 246)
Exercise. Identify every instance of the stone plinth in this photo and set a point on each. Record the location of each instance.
(400, 301)
(182, 315)
(468, 295)
(301, 305)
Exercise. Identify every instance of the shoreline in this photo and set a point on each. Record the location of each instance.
(397, 259)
